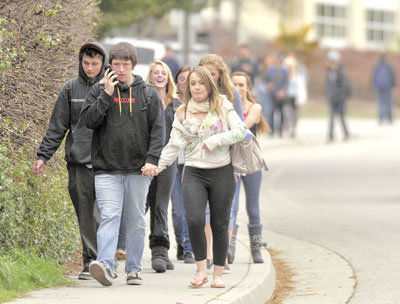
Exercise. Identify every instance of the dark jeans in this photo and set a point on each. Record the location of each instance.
(217, 186)
(337, 109)
(179, 214)
(275, 119)
(158, 199)
(83, 197)
(252, 186)
(385, 105)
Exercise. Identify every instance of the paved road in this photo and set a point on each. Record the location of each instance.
(343, 197)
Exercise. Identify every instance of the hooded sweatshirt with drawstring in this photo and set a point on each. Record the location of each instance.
(65, 117)
(128, 127)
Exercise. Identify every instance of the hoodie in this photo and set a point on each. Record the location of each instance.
(128, 128)
(65, 117)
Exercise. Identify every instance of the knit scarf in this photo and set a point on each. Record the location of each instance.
(198, 107)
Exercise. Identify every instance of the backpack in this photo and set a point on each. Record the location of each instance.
(382, 79)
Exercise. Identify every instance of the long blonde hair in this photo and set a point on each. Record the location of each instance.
(170, 88)
(263, 126)
(213, 94)
(224, 84)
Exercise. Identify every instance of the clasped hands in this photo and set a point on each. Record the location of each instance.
(149, 170)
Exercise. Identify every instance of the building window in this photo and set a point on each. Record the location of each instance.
(331, 21)
(380, 26)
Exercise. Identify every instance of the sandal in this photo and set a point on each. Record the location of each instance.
(198, 282)
(217, 284)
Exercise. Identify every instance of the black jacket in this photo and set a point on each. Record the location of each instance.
(337, 86)
(124, 140)
(169, 114)
(65, 118)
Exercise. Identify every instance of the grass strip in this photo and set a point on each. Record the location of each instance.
(21, 272)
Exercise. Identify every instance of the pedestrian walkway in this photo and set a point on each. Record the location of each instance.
(247, 283)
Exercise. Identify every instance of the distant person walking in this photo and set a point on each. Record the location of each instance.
(384, 80)
(338, 90)
(170, 60)
(205, 127)
(161, 186)
(128, 124)
(245, 62)
(65, 119)
(296, 92)
(184, 247)
(277, 80)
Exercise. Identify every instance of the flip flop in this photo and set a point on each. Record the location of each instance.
(198, 282)
(217, 284)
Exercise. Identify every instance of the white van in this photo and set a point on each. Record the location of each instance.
(148, 51)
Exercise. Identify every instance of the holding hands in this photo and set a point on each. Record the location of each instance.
(149, 169)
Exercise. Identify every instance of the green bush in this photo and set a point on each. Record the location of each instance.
(35, 211)
(21, 272)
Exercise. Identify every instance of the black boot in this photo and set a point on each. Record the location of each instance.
(169, 264)
(179, 253)
(158, 260)
(256, 243)
(232, 245)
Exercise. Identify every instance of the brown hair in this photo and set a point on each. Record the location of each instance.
(213, 94)
(124, 51)
(263, 126)
(224, 84)
(171, 88)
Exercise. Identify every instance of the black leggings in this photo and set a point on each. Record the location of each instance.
(218, 187)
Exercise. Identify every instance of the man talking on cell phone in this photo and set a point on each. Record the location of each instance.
(128, 124)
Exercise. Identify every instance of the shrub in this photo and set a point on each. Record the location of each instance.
(36, 213)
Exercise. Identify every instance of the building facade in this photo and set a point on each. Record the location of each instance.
(357, 24)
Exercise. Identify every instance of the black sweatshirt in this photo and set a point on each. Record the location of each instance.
(124, 139)
(65, 118)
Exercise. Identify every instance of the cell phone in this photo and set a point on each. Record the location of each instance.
(109, 69)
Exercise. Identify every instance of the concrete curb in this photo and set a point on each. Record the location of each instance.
(256, 286)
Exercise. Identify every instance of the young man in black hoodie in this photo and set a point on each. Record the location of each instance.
(65, 118)
(128, 124)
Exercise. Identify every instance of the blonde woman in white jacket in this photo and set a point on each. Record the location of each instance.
(204, 127)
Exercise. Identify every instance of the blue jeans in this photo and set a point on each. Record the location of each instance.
(252, 184)
(122, 231)
(179, 214)
(112, 192)
(385, 105)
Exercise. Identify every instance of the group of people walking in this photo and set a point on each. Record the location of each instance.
(133, 144)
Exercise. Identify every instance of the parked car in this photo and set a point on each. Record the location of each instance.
(148, 51)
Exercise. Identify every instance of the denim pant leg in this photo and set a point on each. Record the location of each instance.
(136, 189)
(385, 102)
(110, 196)
(235, 205)
(179, 214)
(122, 231)
(252, 184)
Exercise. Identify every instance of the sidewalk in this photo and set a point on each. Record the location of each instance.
(247, 283)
